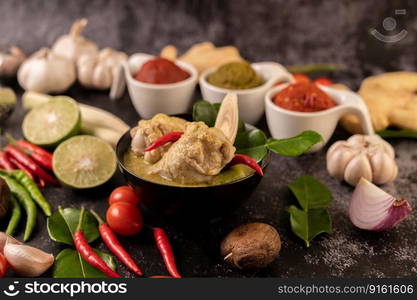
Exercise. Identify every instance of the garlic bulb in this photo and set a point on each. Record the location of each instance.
(367, 156)
(373, 209)
(11, 61)
(46, 72)
(26, 260)
(73, 45)
(98, 70)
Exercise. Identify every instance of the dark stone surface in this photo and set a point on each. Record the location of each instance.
(290, 32)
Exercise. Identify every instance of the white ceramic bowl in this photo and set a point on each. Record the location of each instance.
(251, 101)
(283, 123)
(150, 99)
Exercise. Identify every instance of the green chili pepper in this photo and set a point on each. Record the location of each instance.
(26, 201)
(16, 215)
(313, 68)
(33, 190)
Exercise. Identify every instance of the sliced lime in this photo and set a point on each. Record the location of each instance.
(7, 103)
(52, 122)
(84, 162)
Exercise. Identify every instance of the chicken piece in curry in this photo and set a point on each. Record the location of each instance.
(200, 153)
(148, 131)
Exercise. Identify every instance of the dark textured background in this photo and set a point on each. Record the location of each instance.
(290, 32)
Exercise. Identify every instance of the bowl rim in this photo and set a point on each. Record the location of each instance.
(264, 163)
(274, 90)
(188, 81)
(205, 84)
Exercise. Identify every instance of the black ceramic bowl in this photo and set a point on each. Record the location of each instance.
(206, 201)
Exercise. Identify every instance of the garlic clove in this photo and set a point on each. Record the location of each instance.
(358, 167)
(384, 167)
(388, 148)
(338, 159)
(5, 237)
(26, 260)
(373, 209)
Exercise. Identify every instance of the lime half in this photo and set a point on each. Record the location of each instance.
(84, 162)
(52, 122)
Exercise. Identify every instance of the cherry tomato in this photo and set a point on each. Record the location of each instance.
(124, 194)
(323, 81)
(301, 78)
(3, 265)
(124, 218)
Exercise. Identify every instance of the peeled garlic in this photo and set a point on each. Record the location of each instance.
(46, 72)
(73, 45)
(10, 61)
(367, 156)
(98, 70)
(26, 260)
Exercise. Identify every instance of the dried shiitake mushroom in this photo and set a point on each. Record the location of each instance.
(251, 246)
(4, 198)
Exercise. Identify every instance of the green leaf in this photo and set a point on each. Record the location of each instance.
(61, 227)
(69, 264)
(310, 192)
(308, 224)
(252, 143)
(403, 133)
(296, 145)
(205, 112)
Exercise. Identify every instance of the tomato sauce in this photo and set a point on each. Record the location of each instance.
(304, 97)
(161, 71)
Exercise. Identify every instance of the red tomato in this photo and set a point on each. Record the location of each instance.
(124, 194)
(301, 78)
(3, 265)
(124, 218)
(323, 81)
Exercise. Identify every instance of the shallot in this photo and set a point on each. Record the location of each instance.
(373, 209)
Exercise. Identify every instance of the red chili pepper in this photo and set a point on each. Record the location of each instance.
(5, 162)
(87, 253)
(41, 183)
(323, 81)
(111, 241)
(35, 169)
(301, 78)
(39, 155)
(164, 246)
(22, 167)
(41, 160)
(166, 138)
(246, 160)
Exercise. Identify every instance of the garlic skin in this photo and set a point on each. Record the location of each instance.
(73, 45)
(46, 72)
(99, 70)
(367, 156)
(26, 260)
(5, 237)
(373, 209)
(11, 61)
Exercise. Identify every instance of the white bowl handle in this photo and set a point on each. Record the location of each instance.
(274, 71)
(355, 105)
(119, 83)
(126, 68)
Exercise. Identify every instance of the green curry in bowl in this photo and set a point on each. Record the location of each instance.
(138, 166)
